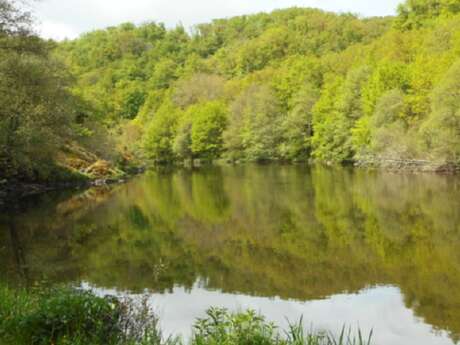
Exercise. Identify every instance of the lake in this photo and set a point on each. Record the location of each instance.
(338, 246)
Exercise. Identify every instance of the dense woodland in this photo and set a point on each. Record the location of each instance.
(297, 84)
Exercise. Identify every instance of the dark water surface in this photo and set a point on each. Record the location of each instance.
(338, 246)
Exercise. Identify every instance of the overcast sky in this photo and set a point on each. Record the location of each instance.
(68, 18)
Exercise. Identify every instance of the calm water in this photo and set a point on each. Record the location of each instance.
(338, 246)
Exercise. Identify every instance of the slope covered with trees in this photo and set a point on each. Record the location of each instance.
(294, 85)
(43, 134)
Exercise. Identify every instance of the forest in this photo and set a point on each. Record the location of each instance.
(294, 85)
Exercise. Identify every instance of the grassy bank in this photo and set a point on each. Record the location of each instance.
(65, 316)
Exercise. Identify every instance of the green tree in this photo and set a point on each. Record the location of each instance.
(129, 98)
(391, 137)
(441, 131)
(163, 74)
(297, 126)
(298, 83)
(414, 13)
(198, 88)
(36, 109)
(255, 124)
(183, 141)
(338, 111)
(159, 136)
(208, 124)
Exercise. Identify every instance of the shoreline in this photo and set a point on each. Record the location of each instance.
(409, 166)
(15, 191)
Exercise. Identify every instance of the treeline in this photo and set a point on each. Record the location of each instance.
(293, 85)
(240, 89)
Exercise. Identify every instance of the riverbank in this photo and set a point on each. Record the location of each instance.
(101, 173)
(66, 316)
(395, 165)
(409, 165)
(15, 189)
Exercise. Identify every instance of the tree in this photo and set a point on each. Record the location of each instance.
(414, 13)
(159, 136)
(329, 126)
(441, 131)
(163, 74)
(297, 126)
(298, 83)
(182, 146)
(391, 137)
(385, 77)
(36, 109)
(208, 124)
(129, 98)
(337, 112)
(13, 20)
(256, 115)
(198, 88)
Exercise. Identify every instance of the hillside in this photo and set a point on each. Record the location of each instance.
(294, 85)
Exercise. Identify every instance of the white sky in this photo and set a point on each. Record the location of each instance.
(68, 18)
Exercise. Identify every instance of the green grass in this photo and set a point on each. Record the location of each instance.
(65, 316)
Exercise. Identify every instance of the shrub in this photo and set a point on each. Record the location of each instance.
(58, 315)
(221, 327)
(65, 316)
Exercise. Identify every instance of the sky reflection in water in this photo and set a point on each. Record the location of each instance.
(380, 309)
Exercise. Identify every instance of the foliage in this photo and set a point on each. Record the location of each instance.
(222, 327)
(414, 13)
(40, 116)
(57, 315)
(297, 125)
(13, 20)
(208, 123)
(159, 135)
(295, 84)
(441, 131)
(265, 67)
(254, 125)
(67, 316)
(300, 84)
(244, 328)
(36, 109)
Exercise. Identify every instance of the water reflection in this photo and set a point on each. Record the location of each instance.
(260, 231)
(380, 309)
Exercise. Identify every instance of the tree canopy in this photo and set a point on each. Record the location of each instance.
(295, 84)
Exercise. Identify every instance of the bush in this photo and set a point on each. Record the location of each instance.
(221, 327)
(65, 316)
(58, 316)
(248, 328)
